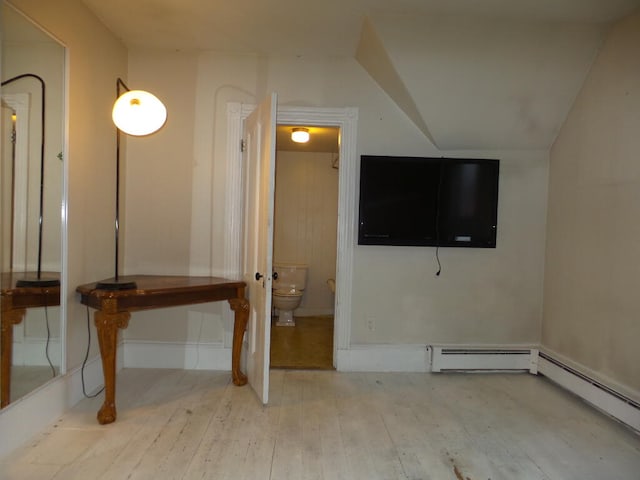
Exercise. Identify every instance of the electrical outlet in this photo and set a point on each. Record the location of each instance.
(371, 323)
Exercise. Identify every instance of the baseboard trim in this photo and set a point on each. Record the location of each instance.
(93, 380)
(28, 415)
(384, 358)
(189, 356)
(603, 397)
(33, 352)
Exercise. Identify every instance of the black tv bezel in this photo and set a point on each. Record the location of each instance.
(439, 239)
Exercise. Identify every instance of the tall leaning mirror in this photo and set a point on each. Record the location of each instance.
(31, 185)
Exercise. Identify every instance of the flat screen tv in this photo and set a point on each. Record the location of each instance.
(427, 201)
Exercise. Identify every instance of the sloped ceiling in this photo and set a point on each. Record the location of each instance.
(328, 27)
(374, 57)
(469, 74)
(470, 83)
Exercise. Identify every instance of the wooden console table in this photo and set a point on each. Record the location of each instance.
(15, 301)
(114, 307)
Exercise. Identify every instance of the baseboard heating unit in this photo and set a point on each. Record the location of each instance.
(607, 399)
(576, 379)
(481, 358)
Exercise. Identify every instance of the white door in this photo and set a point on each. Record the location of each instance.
(260, 152)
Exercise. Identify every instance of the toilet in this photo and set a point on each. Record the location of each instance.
(289, 282)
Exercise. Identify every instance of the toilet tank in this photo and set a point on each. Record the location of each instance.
(290, 275)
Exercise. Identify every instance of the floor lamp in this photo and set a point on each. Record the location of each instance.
(136, 113)
(39, 279)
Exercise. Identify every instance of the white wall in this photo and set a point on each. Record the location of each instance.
(483, 296)
(593, 252)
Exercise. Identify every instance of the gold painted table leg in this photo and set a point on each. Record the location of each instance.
(240, 307)
(10, 317)
(107, 325)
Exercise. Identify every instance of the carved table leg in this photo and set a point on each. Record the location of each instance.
(240, 306)
(107, 325)
(10, 317)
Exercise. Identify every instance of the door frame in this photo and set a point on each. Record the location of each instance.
(20, 103)
(346, 119)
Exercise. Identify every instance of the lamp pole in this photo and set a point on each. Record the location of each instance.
(116, 283)
(137, 113)
(39, 281)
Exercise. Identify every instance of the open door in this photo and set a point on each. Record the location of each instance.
(259, 152)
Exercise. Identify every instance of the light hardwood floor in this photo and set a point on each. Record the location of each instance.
(329, 425)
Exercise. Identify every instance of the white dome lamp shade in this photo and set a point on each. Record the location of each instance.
(300, 135)
(139, 113)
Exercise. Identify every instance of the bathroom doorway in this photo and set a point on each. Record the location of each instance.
(346, 119)
(305, 233)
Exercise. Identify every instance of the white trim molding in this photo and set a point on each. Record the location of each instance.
(31, 414)
(33, 352)
(384, 358)
(181, 355)
(20, 103)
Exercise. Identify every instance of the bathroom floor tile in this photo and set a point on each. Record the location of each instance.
(307, 345)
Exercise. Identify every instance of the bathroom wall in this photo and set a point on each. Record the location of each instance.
(305, 225)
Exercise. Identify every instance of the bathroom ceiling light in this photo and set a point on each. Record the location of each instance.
(300, 135)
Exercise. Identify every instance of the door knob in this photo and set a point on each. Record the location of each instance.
(275, 275)
(259, 275)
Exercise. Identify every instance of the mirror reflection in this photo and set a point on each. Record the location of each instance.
(31, 185)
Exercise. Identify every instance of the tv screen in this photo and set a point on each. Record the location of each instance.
(427, 201)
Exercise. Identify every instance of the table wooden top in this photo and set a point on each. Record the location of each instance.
(14, 297)
(158, 291)
(8, 282)
(149, 284)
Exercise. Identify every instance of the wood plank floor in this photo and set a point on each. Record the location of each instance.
(177, 424)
